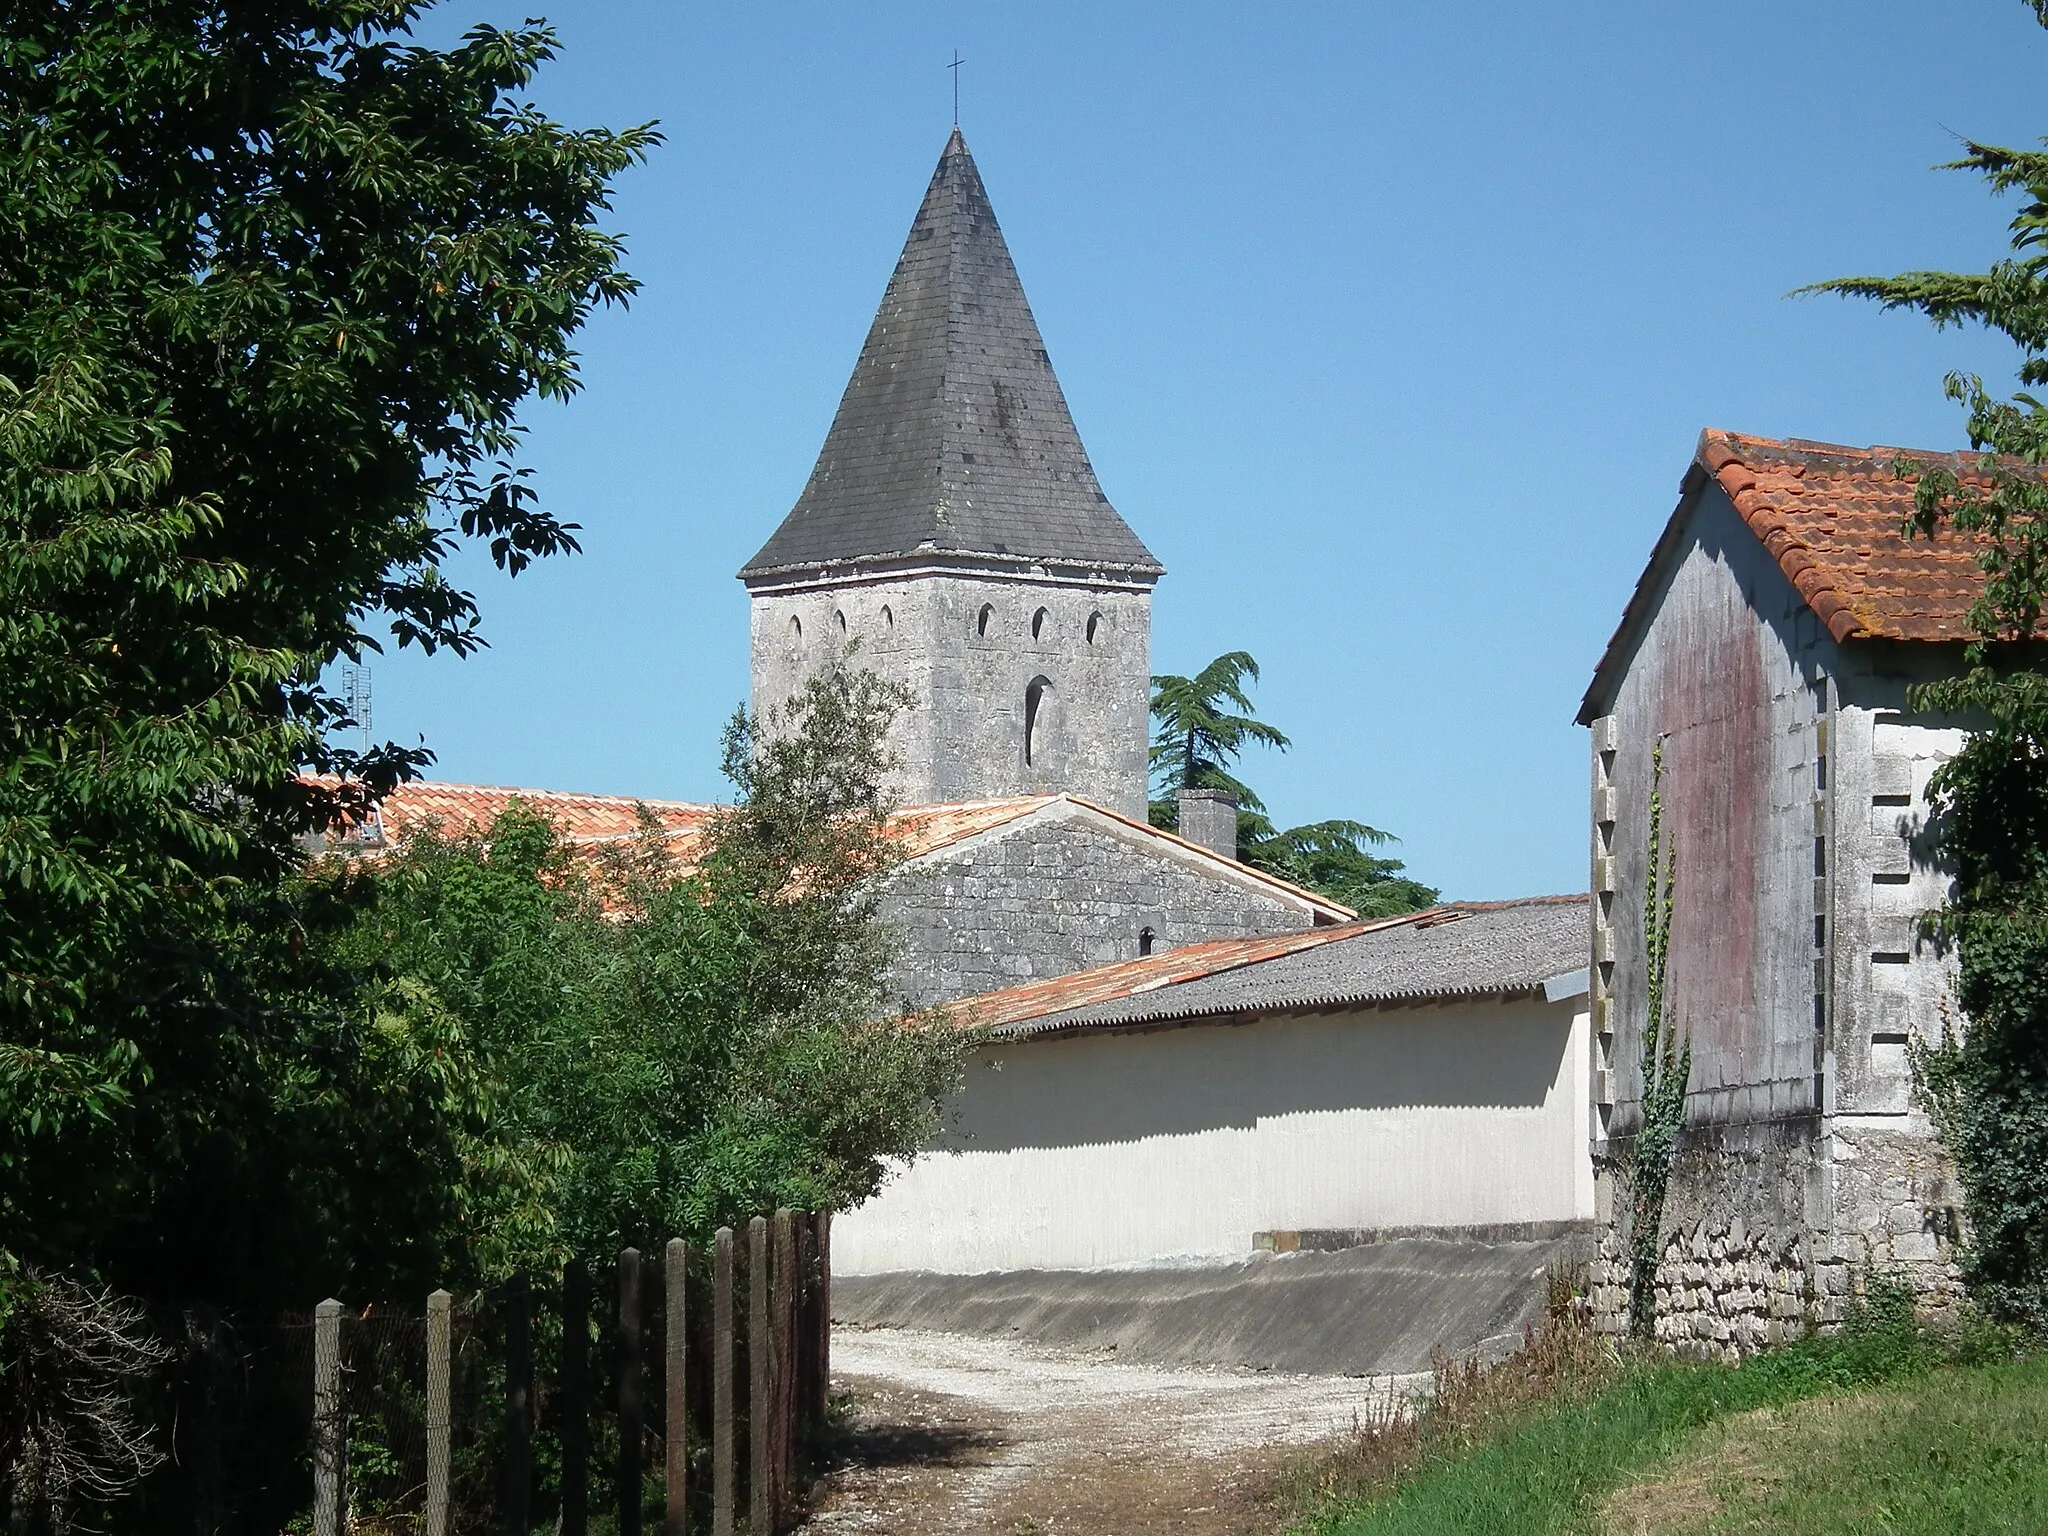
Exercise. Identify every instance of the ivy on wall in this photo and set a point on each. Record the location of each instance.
(1667, 1066)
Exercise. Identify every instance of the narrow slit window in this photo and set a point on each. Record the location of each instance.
(1034, 720)
(1038, 625)
(981, 620)
(1094, 623)
(1146, 940)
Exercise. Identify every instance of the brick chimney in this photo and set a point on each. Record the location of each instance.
(1208, 817)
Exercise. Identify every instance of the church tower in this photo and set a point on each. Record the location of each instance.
(954, 529)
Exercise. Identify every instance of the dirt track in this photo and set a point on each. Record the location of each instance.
(960, 1434)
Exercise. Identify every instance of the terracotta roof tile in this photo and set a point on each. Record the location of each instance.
(1107, 983)
(461, 809)
(1831, 516)
(470, 809)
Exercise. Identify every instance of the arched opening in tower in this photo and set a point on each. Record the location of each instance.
(1037, 694)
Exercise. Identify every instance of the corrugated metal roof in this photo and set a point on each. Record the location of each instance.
(1479, 949)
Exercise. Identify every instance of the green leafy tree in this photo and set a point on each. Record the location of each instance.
(670, 1043)
(1987, 1086)
(273, 282)
(1200, 726)
(1335, 858)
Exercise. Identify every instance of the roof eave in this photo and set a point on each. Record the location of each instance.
(1251, 1013)
(899, 563)
(1635, 615)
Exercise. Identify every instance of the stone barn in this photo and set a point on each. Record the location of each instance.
(1766, 657)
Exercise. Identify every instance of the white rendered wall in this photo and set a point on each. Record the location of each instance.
(1086, 1151)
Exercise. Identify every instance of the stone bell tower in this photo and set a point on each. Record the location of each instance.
(954, 528)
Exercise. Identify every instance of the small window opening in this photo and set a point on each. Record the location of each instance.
(840, 619)
(888, 617)
(1146, 939)
(1034, 714)
(796, 627)
(1038, 624)
(1094, 623)
(981, 622)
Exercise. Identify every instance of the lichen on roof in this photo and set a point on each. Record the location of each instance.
(953, 437)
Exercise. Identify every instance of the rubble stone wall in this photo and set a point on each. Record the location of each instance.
(1772, 1232)
(1047, 901)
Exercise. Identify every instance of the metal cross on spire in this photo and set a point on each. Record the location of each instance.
(955, 67)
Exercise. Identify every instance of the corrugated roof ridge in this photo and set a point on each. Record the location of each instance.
(1568, 899)
(1151, 972)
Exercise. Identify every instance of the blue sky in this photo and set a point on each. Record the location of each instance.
(1389, 327)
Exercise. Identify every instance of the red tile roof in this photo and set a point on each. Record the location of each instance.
(460, 809)
(921, 829)
(470, 809)
(1831, 517)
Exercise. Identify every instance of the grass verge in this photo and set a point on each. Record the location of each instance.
(1956, 1450)
(1565, 1439)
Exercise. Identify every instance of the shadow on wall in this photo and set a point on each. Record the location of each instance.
(1092, 1090)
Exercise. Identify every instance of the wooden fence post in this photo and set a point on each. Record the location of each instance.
(802, 1336)
(518, 1469)
(782, 1282)
(810, 1340)
(632, 1421)
(824, 1315)
(330, 1422)
(760, 1383)
(575, 1400)
(440, 1417)
(822, 1408)
(723, 1492)
(676, 1415)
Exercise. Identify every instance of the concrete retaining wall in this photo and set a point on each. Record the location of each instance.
(1383, 1308)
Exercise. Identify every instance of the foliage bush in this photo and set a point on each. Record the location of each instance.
(646, 1047)
(273, 283)
(1987, 1086)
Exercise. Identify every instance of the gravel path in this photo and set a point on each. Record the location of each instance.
(960, 1434)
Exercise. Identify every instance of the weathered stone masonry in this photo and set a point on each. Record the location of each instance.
(1051, 900)
(1794, 794)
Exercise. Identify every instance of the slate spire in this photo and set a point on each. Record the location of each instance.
(953, 437)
